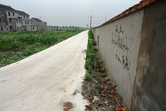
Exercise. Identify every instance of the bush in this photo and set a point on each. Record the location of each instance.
(90, 34)
(90, 68)
(90, 43)
(88, 77)
(92, 56)
(86, 64)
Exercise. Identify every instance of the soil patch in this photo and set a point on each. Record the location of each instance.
(67, 106)
(75, 92)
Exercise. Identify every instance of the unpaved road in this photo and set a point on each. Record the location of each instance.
(47, 81)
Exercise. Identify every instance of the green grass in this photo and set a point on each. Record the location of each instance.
(15, 46)
(87, 64)
(88, 77)
(91, 53)
(92, 58)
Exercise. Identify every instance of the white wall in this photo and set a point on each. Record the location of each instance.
(119, 44)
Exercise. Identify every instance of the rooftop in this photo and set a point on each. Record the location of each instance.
(139, 6)
(6, 7)
(21, 12)
(36, 19)
(10, 8)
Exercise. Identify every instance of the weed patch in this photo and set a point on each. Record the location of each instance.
(15, 46)
(91, 58)
(88, 77)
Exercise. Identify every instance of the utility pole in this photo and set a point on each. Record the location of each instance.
(90, 22)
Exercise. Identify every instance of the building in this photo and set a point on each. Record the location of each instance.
(49, 27)
(3, 17)
(15, 20)
(25, 21)
(19, 21)
(38, 24)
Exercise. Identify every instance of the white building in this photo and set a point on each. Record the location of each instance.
(15, 20)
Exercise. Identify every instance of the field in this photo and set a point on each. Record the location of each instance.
(15, 46)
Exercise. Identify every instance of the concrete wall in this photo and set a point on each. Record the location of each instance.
(134, 51)
(119, 45)
(150, 83)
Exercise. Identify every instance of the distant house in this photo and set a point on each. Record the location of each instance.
(17, 23)
(38, 24)
(4, 20)
(25, 21)
(49, 27)
(13, 20)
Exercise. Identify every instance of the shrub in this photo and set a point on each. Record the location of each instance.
(90, 34)
(86, 64)
(88, 77)
(92, 56)
(90, 44)
(90, 68)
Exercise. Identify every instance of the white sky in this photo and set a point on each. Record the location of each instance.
(71, 12)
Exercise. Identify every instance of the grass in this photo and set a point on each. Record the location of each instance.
(15, 46)
(87, 64)
(91, 56)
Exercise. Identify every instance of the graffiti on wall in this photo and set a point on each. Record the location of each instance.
(124, 61)
(119, 40)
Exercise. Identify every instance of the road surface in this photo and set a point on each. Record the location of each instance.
(47, 81)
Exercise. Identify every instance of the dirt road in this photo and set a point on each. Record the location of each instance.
(47, 81)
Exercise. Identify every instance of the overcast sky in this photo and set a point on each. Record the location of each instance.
(71, 12)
